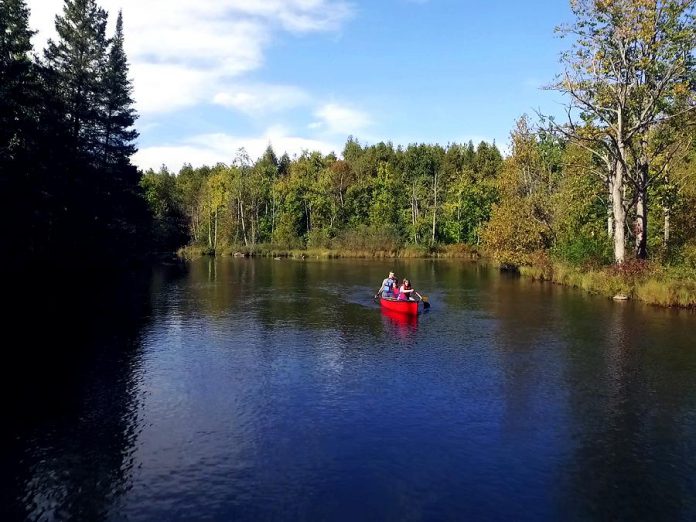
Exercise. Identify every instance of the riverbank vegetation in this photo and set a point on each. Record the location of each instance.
(604, 200)
(377, 198)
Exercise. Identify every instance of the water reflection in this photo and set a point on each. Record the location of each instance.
(630, 401)
(73, 422)
(254, 389)
(399, 325)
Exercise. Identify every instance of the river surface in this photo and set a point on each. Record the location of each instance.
(243, 389)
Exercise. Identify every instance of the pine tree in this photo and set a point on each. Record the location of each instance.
(21, 182)
(16, 76)
(119, 115)
(78, 61)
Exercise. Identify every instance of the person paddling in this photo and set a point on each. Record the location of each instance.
(405, 291)
(388, 288)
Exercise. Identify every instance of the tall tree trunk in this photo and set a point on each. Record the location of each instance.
(610, 216)
(459, 220)
(641, 224)
(195, 226)
(241, 217)
(254, 220)
(216, 228)
(273, 216)
(414, 213)
(432, 239)
(340, 191)
(255, 225)
(619, 212)
(210, 230)
(665, 236)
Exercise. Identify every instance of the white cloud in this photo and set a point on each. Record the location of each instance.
(183, 53)
(167, 87)
(339, 119)
(209, 149)
(258, 99)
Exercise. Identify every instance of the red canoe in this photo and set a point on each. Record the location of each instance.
(404, 307)
(403, 322)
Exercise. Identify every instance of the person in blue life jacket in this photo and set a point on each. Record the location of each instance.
(388, 288)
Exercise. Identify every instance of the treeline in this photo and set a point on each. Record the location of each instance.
(66, 138)
(376, 197)
(547, 198)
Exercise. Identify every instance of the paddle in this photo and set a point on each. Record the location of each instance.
(425, 299)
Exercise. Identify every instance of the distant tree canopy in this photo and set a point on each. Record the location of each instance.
(66, 138)
(548, 197)
(421, 194)
(619, 172)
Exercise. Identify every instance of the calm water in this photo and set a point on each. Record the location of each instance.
(277, 390)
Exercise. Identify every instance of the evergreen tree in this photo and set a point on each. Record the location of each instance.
(16, 76)
(284, 165)
(118, 113)
(21, 214)
(78, 64)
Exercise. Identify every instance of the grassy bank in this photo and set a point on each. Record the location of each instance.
(644, 281)
(265, 250)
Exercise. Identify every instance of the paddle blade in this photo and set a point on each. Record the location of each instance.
(426, 301)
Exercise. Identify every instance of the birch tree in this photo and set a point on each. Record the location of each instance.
(625, 74)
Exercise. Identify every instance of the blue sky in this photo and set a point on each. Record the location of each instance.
(212, 76)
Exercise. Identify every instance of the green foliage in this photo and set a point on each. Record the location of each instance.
(319, 238)
(583, 250)
(629, 80)
(688, 254)
(314, 198)
(520, 224)
(386, 194)
(513, 235)
(468, 208)
(78, 61)
(579, 212)
(368, 239)
(165, 202)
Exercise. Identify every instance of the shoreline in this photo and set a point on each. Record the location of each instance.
(650, 283)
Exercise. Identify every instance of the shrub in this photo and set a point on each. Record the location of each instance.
(581, 250)
(688, 254)
(319, 238)
(365, 238)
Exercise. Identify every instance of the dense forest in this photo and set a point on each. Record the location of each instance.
(549, 195)
(613, 182)
(67, 185)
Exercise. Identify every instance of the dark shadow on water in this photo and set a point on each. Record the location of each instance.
(67, 390)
